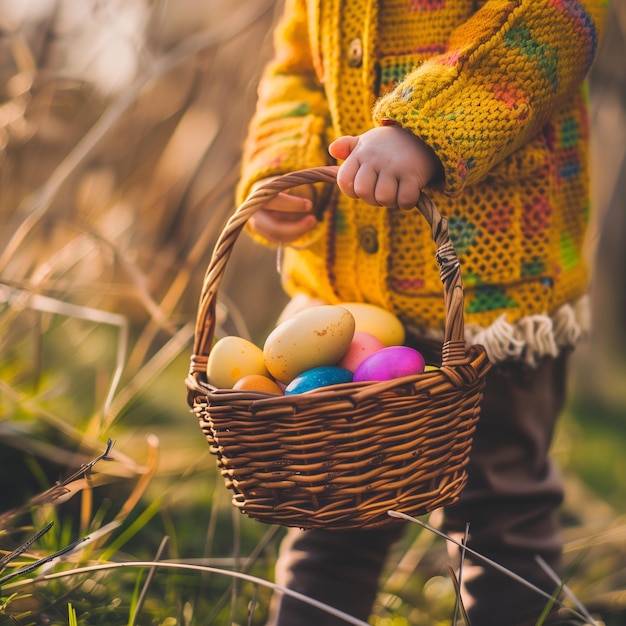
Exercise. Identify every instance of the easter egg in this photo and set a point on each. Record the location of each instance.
(363, 344)
(233, 358)
(388, 363)
(377, 321)
(311, 338)
(257, 382)
(318, 377)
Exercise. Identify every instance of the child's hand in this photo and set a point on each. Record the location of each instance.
(386, 166)
(286, 217)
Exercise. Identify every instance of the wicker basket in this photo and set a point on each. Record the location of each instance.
(341, 457)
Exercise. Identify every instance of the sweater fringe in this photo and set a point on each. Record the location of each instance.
(535, 336)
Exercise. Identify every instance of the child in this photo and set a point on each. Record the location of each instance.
(481, 104)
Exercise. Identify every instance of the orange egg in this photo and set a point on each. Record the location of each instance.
(256, 382)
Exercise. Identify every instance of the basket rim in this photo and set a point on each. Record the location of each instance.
(458, 374)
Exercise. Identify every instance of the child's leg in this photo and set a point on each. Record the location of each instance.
(513, 494)
(341, 569)
(511, 502)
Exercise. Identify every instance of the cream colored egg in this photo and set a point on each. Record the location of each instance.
(233, 358)
(311, 338)
(377, 321)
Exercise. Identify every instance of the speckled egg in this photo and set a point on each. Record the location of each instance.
(318, 377)
(389, 363)
(377, 321)
(233, 358)
(312, 338)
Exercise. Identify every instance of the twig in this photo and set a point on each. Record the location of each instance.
(40, 562)
(18, 551)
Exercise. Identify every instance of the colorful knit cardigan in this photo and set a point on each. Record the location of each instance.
(498, 92)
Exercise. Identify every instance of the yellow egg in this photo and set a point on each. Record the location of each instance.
(313, 337)
(233, 358)
(256, 382)
(377, 321)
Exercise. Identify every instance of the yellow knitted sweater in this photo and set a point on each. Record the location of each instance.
(497, 90)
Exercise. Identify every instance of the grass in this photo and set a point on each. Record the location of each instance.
(111, 202)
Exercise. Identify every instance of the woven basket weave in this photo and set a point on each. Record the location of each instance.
(341, 457)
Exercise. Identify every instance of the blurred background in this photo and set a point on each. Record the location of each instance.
(121, 125)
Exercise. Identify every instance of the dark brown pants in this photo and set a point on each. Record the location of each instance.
(511, 504)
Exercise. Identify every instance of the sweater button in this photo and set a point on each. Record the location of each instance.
(368, 239)
(355, 53)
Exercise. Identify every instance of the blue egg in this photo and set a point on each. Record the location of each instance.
(318, 377)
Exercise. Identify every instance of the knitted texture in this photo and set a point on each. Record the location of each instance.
(498, 93)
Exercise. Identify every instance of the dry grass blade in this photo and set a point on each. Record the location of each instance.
(144, 590)
(566, 590)
(21, 549)
(37, 564)
(410, 560)
(484, 559)
(55, 493)
(458, 602)
(53, 305)
(349, 619)
(144, 376)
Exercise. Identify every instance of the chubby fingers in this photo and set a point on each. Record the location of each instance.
(362, 180)
(280, 227)
(372, 179)
(290, 203)
(284, 219)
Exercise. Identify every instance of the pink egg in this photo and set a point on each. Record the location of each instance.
(363, 344)
(389, 363)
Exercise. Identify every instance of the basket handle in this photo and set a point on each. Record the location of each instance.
(453, 352)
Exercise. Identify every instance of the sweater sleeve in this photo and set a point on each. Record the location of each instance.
(506, 71)
(287, 131)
